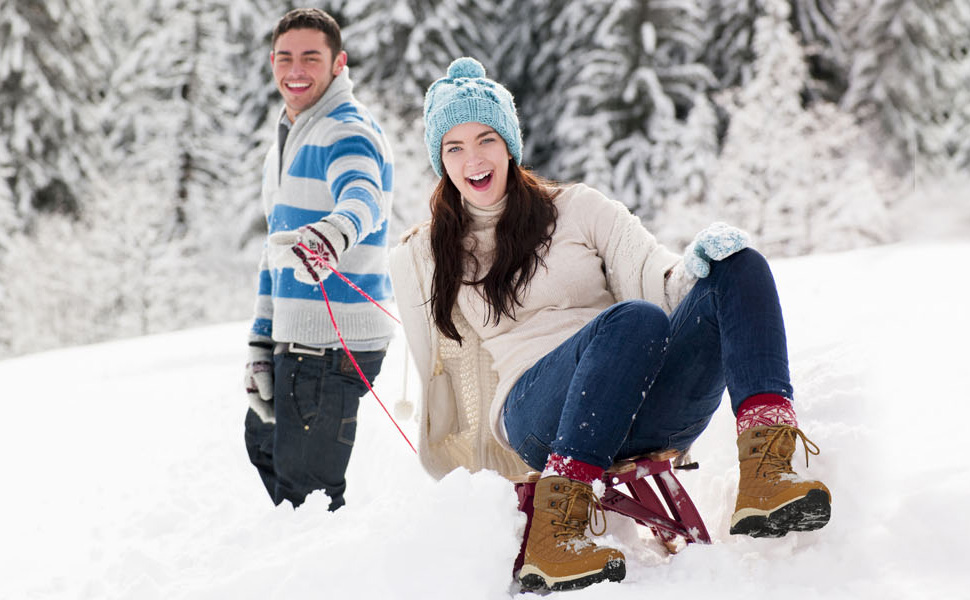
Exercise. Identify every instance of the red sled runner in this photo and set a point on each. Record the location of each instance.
(671, 515)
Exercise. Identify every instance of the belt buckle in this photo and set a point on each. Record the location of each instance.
(295, 348)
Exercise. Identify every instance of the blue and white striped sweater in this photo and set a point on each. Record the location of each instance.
(337, 166)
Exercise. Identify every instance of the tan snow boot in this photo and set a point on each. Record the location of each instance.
(772, 499)
(558, 555)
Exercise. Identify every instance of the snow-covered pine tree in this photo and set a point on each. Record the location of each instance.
(177, 68)
(8, 233)
(401, 46)
(377, 30)
(728, 53)
(52, 62)
(80, 279)
(626, 96)
(177, 61)
(692, 151)
(250, 28)
(911, 72)
(795, 176)
(820, 27)
(536, 57)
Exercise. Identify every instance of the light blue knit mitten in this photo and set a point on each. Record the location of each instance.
(716, 242)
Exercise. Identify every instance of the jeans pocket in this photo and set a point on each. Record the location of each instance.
(369, 362)
(306, 383)
(347, 433)
(534, 452)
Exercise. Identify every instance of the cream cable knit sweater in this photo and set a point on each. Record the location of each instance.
(600, 254)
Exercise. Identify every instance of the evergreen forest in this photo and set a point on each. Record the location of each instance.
(132, 132)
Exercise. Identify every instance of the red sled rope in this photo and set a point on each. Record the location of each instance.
(319, 260)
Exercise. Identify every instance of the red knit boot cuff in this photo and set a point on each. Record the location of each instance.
(571, 468)
(765, 409)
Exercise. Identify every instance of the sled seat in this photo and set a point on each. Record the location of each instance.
(671, 515)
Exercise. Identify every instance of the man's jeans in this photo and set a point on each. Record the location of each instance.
(308, 448)
(633, 381)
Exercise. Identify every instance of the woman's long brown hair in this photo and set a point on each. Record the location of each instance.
(522, 237)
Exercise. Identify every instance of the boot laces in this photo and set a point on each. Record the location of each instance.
(576, 528)
(776, 462)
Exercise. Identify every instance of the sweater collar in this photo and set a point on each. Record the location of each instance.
(485, 217)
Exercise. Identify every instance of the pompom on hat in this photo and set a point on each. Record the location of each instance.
(465, 95)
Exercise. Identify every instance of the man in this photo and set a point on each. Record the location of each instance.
(327, 195)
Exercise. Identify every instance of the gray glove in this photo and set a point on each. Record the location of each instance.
(259, 381)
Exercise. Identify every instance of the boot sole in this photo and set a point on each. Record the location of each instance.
(615, 570)
(808, 513)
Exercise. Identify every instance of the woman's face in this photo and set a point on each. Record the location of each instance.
(476, 159)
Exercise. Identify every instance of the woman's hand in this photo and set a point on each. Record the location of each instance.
(717, 242)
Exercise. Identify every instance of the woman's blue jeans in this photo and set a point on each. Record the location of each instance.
(633, 380)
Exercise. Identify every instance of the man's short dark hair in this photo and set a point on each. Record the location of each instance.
(310, 18)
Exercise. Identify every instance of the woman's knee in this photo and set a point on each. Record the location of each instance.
(747, 261)
(746, 258)
(640, 316)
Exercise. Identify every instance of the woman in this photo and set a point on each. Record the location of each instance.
(551, 329)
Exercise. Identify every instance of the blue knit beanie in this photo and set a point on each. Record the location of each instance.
(465, 95)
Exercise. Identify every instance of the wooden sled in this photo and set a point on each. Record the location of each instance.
(671, 515)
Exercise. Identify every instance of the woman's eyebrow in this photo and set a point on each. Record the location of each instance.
(477, 137)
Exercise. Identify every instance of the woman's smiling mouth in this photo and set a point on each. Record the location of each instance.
(480, 181)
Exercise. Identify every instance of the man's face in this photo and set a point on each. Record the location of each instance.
(303, 67)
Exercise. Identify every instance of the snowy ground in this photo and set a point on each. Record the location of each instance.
(126, 476)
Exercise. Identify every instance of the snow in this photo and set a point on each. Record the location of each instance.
(125, 474)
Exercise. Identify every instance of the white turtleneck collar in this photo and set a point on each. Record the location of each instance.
(487, 216)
